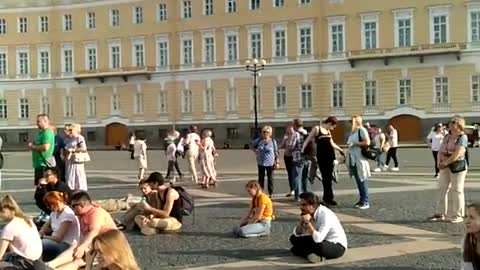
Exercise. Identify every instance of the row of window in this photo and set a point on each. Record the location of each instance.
(441, 96)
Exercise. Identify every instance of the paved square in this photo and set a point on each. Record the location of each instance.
(393, 234)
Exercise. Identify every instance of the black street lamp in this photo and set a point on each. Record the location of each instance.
(255, 66)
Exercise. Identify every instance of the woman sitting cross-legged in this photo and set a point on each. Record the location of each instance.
(19, 236)
(62, 229)
(258, 221)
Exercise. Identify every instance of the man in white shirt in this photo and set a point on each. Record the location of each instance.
(392, 136)
(318, 233)
(191, 151)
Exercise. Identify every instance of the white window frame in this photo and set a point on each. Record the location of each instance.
(210, 34)
(258, 4)
(138, 14)
(473, 7)
(22, 25)
(407, 89)
(371, 90)
(3, 26)
(231, 99)
(337, 93)
(186, 10)
(18, 51)
(255, 29)
(67, 47)
(475, 87)
(115, 103)
(138, 103)
(187, 108)
(163, 102)
(45, 104)
(91, 45)
(23, 108)
(280, 103)
(114, 17)
(403, 14)
(184, 37)
(277, 27)
(162, 38)
(111, 44)
(209, 100)
(91, 20)
(369, 18)
(303, 25)
(3, 108)
(442, 90)
(91, 104)
(227, 33)
(306, 88)
(43, 24)
(336, 21)
(40, 50)
(68, 106)
(138, 41)
(229, 9)
(439, 11)
(162, 13)
(278, 3)
(208, 7)
(67, 22)
(4, 51)
(304, 2)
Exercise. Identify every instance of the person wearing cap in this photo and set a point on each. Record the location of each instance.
(325, 152)
(434, 141)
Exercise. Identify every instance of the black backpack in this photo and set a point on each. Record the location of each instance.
(186, 200)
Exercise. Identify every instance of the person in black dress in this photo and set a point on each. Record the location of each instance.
(325, 147)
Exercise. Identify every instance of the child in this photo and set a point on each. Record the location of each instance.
(140, 154)
(20, 236)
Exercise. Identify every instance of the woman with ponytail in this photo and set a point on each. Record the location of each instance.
(19, 236)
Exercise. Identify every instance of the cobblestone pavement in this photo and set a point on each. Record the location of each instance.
(392, 234)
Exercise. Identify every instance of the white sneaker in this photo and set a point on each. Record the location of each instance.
(456, 220)
(314, 258)
(395, 169)
(377, 170)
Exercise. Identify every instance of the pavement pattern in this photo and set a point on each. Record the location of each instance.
(392, 234)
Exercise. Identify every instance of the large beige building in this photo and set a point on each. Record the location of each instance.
(147, 65)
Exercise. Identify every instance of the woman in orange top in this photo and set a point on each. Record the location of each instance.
(258, 221)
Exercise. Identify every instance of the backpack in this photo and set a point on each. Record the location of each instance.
(186, 200)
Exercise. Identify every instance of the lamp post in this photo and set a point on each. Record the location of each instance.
(255, 66)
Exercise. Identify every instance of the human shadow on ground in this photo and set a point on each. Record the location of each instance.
(240, 254)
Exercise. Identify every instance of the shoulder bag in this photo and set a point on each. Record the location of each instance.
(458, 165)
(367, 151)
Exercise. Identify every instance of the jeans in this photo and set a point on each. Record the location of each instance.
(380, 158)
(52, 249)
(290, 170)
(302, 246)
(261, 177)
(451, 185)
(300, 183)
(326, 169)
(435, 154)
(392, 153)
(173, 164)
(362, 186)
(260, 228)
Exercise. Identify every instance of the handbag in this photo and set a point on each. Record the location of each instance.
(367, 151)
(81, 157)
(458, 166)
(50, 161)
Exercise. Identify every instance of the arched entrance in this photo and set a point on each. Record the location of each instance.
(338, 134)
(116, 133)
(409, 128)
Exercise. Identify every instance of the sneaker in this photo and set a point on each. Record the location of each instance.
(436, 176)
(357, 205)
(456, 220)
(377, 170)
(289, 194)
(364, 206)
(314, 258)
(395, 169)
(436, 217)
(148, 231)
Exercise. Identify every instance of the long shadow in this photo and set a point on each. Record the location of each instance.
(234, 254)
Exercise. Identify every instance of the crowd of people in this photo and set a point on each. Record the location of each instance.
(76, 232)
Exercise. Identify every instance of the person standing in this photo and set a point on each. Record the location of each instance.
(288, 144)
(207, 159)
(266, 150)
(42, 147)
(434, 140)
(140, 153)
(325, 147)
(171, 154)
(57, 153)
(380, 143)
(358, 165)
(74, 168)
(131, 143)
(392, 136)
(191, 151)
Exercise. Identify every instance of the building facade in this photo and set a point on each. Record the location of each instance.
(119, 66)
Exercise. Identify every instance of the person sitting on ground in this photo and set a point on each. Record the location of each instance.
(19, 236)
(258, 221)
(112, 251)
(49, 182)
(318, 233)
(167, 216)
(94, 221)
(470, 248)
(62, 229)
(150, 195)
